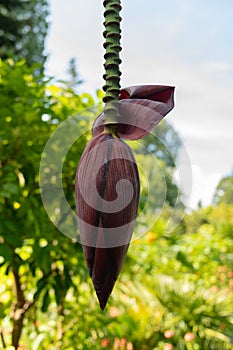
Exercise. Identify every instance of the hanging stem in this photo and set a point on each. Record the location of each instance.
(112, 35)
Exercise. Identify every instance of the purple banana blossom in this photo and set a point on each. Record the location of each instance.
(107, 183)
(107, 209)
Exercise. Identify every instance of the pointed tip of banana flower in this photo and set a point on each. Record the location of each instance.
(103, 304)
(141, 108)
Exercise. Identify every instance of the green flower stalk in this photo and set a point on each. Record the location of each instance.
(112, 35)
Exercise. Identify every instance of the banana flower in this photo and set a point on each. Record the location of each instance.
(107, 185)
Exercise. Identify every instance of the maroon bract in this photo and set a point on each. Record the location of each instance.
(141, 108)
(107, 195)
(107, 183)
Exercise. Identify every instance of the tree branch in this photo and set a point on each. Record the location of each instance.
(18, 310)
(2, 339)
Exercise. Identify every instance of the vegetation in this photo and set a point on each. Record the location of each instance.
(175, 290)
(224, 191)
(23, 29)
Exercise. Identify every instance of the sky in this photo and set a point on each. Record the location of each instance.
(183, 43)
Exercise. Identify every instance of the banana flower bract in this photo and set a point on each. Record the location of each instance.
(107, 183)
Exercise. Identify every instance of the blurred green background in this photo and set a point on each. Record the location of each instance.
(175, 290)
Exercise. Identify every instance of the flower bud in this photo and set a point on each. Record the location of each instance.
(107, 181)
(107, 196)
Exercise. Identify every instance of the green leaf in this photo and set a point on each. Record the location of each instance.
(10, 188)
(182, 258)
(68, 280)
(41, 284)
(46, 301)
(44, 260)
(6, 252)
(13, 239)
(58, 295)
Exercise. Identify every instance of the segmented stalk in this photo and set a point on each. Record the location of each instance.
(112, 35)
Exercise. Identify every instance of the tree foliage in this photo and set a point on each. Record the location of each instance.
(164, 143)
(23, 29)
(74, 78)
(161, 148)
(224, 191)
(33, 253)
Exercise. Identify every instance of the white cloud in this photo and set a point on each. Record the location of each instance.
(203, 186)
(216, 66)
